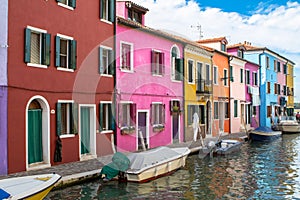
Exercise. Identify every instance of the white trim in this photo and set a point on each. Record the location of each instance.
(106, 21)
(36, 29)
(92, 153)
(157, 102)
(107, 102)
(106, 47)
(65, 101)
(64, 36)
(147, 127)
(129, 102)
(64, 69)
(131, 57)
(37, 65)
(193, 72)
(66, 136)
(65, 6)
(45, 133)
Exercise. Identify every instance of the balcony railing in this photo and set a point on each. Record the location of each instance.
(203, 86)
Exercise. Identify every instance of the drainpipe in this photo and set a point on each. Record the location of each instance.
(114, 136)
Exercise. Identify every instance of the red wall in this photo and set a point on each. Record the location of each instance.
(84, 85)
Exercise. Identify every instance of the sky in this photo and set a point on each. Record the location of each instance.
(274, 24)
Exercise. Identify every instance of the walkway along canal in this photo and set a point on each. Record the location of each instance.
(258, 171)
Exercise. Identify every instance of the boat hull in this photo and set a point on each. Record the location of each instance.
(264, 136)
(29, 187)
(231, 146)
(157, 171)
(289, 128)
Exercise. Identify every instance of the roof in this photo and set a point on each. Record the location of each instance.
(134, 5)
(211, 40)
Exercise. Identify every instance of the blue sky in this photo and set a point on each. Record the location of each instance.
(244, 7)
(273, 23)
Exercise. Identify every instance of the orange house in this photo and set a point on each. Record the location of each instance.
(221, 85)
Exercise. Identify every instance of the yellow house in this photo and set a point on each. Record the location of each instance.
(197, 89)
(290, 87)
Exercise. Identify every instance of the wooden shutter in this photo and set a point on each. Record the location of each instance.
(152, 114)
(162, 63)
(111, 62)
(74, 118)
(101, 67)
(46, 44)
(100, 116)
(27, 45)
(73, 54)
(133, 113)
(58, 119)
(57, 51)
(111, 120)
(179, 68)
(163, 114)
(111, 11)
(72, 3)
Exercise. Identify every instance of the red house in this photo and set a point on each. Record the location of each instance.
(60, 82)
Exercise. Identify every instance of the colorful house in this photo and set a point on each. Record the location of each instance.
(221, 84)
(290, 87)
(197, 89)
(273, 88)
(53, 80)
(149, 87)
(247, 77)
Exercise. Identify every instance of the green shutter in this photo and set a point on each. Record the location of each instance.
(60, 1)
(73, 54)
(27, 45)
(179, 68)
(101, 9)
(74, 118)
(57, 51)
(231, 74)
(110, 118)
(111, 7)
(58, 119)
(100, 116)
(46, 49)
(101, 67)
(72, 3)
(111, 61)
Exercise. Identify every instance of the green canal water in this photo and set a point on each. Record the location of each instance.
(258, 171)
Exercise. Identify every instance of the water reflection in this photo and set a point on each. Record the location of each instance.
(258, 171)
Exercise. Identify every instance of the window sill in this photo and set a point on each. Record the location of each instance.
(67, 136)
(65, 6)
(127, 71)
(107, 132)
(65, 69)
(106, 21)
(37, 65)
(107, 75)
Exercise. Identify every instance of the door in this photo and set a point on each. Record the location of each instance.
(35, 136)
(85, 130)
(221, 116)
(142, 131)
(175, 127)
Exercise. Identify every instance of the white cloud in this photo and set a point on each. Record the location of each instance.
(277, 28)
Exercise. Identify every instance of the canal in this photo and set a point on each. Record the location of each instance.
(258, 171)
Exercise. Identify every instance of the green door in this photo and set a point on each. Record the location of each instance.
(85, 130)
(35, 144)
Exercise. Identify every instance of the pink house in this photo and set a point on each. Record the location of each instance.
(149, 88)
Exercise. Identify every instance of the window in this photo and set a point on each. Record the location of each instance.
(106, 119)
(267, 62)
(190, 71)
(223, 47)
(65, 52)
(235, 108)
(216, 110)
(37, 47)
(207, 73)
(107, 10)
(247, 74)
(126, 58)
(134, 15)
(275, 65)
(285, 69)
(254, 79)
(278, 89)
(241, 75)
(157, 63)
(190, 112)
(66, 118)
(226, 107)
(127, 114)
(157, 114)
(278, 66)
(284, 90)
(240, 53)
(225, 77)
(268, 87)
(215, 75)
(106, 61)
(177, 65)
(231, 74)
(67, 3)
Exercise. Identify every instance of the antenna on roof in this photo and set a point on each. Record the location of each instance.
(199, 28)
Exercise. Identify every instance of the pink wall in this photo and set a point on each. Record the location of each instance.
(142, 88)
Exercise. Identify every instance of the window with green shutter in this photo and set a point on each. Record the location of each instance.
(106, 117)
(65, 52)
(178, 69)
(37, 47)
(66, 118)
(106, 61)
(107, 10)
(235, 108)
(69, 3)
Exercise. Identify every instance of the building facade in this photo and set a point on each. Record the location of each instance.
(53, 84)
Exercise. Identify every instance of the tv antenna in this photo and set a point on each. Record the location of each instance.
(199, 28)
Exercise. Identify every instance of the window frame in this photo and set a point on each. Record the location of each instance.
(110, 11)
(241, 75)
(235, 108)
(157, 110)
(131, 59)
(216, 110)
(225, 77)
(106, 115)
(191, 71)
(130, 114)
(157, 68)
(267, 62)
(247, 77)
(254, 78)
(109, 69)
(70, 4)
(215, 75)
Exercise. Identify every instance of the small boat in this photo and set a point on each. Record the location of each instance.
(228, 146)
(152, 164)
(287, 124)
(263, 133)
(28, 187)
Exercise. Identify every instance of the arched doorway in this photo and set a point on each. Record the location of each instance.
(37, 133)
